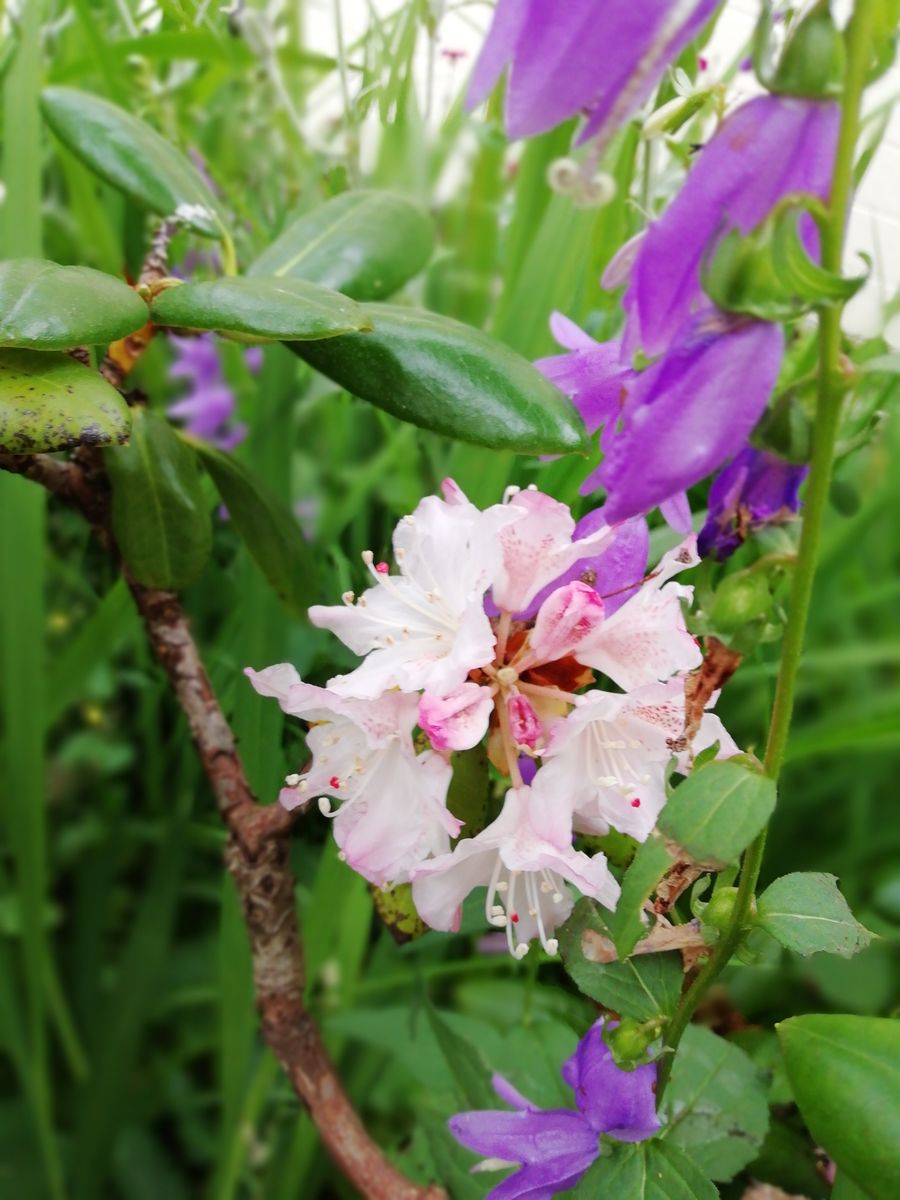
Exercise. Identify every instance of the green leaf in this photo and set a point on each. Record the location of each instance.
(716, 1104)
(268, 529)
(768, 273)
(650, 863)
(654, 1170)
(260, 309)
(397, 912)
(642, 987)
(719, 810)
(133, 157)
(160, 518)
(469, 1070)
(51, 402)
(806, 913)
(451, 378)
(470, 789)
(845, 1072)
(365, 244)
(47, 307)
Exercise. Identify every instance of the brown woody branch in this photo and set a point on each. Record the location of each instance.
(257, 856)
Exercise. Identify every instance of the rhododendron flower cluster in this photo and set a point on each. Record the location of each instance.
(514, 626)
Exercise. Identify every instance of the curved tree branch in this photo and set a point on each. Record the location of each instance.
(257, 856)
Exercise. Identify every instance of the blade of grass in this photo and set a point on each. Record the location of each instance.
(22, 614)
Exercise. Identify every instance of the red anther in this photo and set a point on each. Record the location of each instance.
(334, 782)
(635, 803)
(514, 917)
(382, 568)
(702, 62)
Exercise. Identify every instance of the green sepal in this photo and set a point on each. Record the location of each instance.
(768, 274)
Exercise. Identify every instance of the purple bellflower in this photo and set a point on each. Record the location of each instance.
(207, 411)
(582, 57)
(756, 489)
(554, 1147)
(769, 148)
(670, 425)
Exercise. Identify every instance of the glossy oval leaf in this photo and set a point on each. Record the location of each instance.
(268, 529)
(845, 1074)
(160, 518)
(717, 811)
(51, 402)
(365, 244)
(260, 309)
(807, 914)
(44, 306)
(452, 379)
(132, 156)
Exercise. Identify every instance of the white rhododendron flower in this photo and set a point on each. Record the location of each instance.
(548, 641)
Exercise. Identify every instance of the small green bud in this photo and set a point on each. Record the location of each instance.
(740, 599)
(720, 909)
(630, 1039)
(812, 63)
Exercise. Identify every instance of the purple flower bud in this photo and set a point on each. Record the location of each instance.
(756, 489)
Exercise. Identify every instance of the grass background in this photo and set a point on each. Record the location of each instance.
(132, 1067)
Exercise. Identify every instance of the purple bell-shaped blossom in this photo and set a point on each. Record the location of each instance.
(554, 1147)
(769, 148)
(669, 426)
(756, 489)
(577, 57)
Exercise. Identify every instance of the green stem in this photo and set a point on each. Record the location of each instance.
(831, 388)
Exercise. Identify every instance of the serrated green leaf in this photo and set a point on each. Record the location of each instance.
(716, 1104)
(49, 401)
(807, 914)
(845, 1073)
(650, 863)
(642, 987)
(268, 529)
(160, 518)
(47, 307)
(397, 912)
(132, 156)
(452, 379)
(654, 1170)
(259, 309)
(365, 244)
(717, 811)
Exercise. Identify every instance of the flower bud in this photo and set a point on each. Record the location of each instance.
(595, 192)
(812, 63)
(740, 599)
(564, 175)
(630, 1039)
(718, 912)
